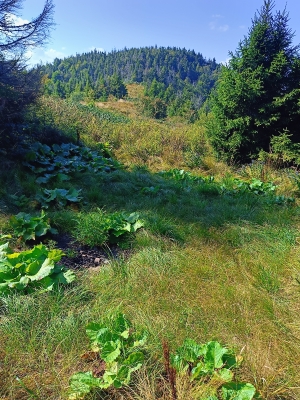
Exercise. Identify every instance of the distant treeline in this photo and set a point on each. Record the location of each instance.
(181, 78)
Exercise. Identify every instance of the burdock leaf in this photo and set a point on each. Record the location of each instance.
(238, 391)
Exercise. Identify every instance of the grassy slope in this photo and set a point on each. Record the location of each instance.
(206, 266)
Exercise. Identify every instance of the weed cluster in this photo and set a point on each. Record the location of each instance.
(31, 270)
(97, 228)
(119, 351)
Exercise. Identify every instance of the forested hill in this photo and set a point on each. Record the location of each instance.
(135, 65)
(172, 72)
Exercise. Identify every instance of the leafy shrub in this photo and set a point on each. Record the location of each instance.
(58, 197)
(204, 359)
(295, 178)
(153, 108)
(283, 152)
(229, 186)
(204, 362)
(19, 201)
(255, 186)
(28, 227)
(181, 175)
(97, 228)
(32, 269)
(117, 350)
(59, 161)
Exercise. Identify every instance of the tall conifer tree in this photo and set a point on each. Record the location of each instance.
(258, 92)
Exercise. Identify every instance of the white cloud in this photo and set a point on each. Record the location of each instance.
(214, 26)
(40, 55)
(36, 55)
(223, 28)
(16, 20)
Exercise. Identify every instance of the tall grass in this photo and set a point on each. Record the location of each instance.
(208, 265)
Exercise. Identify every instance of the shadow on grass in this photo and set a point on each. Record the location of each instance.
(167, 204)
(170, 207)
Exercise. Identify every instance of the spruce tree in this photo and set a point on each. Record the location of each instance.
(258, 93)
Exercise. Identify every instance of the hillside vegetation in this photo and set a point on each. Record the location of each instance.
(149, 220)
(216, 257)
(181, 78)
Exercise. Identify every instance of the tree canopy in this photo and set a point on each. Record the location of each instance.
(178, 77)
(18, 86)
(258, 92)
(16, 38)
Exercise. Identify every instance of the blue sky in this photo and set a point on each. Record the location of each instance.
(211, 27)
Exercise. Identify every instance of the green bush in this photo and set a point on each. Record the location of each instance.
(30, 270)
(29, 227)
(97, 228)
(153, 108)
(119, 348)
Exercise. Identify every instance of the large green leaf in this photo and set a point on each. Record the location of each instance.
(214, 354)
(93, 329)
(22, 283)
(39, 252)
(81, 384)
(134, 360)
(14, 259)
(224, 374)
(51, 281)
(201, 369)
(33, 268)
(64, 277)
(110, 351)
(101, 336)
(122, 377)
(28, 227)
(73, 195)
(4, 288)
(41, 229)
(7, 273)
(140, 339)
(104, 336)
(110, 375)
(137, 225)
(134, 221)
(46, 269)
(121, 325)
(132, 218)
(120, 230)
(55, 254)
(238, 391)
(231, 360)
(188, 353)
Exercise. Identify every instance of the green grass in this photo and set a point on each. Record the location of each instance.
(207, 265)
